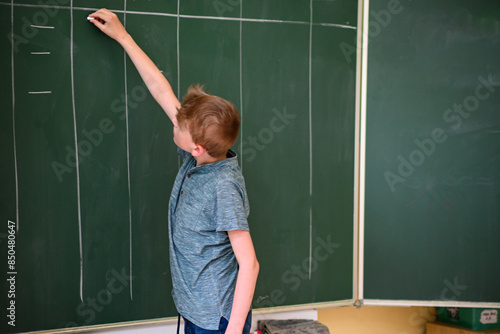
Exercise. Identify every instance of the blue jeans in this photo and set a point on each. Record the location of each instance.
(190, 328)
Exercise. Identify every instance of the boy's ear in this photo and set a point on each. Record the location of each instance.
(198, 150)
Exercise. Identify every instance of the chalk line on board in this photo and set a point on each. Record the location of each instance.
(241, 85)
(178, 65)
(178, 15)
(41, 92)
(14, 117)
(77, 162)
(41, 27)
(128, 158)
(310, 136)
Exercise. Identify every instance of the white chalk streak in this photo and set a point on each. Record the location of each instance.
(14, 116)
(336, 25)
(241, 86)
(77, 154)
(40, 53)
(241, 19)
(128, 160)
(41, 27)
(178, 63)
(178, 52)
(41, 92)
(310, 138)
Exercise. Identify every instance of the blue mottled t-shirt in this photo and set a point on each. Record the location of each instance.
(206, 202)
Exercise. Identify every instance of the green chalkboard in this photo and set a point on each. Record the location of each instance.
(432, 218)
(88, 160)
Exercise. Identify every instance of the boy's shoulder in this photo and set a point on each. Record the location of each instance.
(227, 173)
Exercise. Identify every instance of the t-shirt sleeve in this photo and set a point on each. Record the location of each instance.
(231, 207)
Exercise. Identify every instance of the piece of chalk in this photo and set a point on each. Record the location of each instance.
(90, 18)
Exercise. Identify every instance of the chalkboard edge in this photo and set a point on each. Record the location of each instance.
(429, 303)
(173, 320)
(302, 307)
(117, 325)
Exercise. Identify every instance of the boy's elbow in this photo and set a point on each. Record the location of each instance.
(256, 267)
(251, 267)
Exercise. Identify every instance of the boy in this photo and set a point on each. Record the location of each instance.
(212, 258)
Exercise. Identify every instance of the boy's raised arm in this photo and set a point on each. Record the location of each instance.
(156, 82)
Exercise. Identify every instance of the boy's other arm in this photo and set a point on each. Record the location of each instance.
(156, 82)
(248, 271)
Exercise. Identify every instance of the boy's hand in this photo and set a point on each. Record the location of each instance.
(109, 24)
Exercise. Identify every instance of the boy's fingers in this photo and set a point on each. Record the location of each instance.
(102, 15)
(95, 19)
(106, 14)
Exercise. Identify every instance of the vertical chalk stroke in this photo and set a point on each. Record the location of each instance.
(128, 158)
(14, 115)
(310, 137)
(178, 65)
(77, 162)
(241, 85)
(178, 53)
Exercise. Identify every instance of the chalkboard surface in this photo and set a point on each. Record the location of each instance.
(432, 218)
(88, 160)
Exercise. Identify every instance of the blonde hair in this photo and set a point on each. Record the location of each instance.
(213, 122)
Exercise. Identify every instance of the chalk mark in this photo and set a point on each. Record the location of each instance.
(41, 27)
(41, 92)
(14, 117)
(128, 160)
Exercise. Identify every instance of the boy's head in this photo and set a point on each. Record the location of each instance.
(213, 122)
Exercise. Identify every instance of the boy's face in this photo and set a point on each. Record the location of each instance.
(183, 139)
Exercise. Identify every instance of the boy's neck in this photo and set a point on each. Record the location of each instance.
(207, 159)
